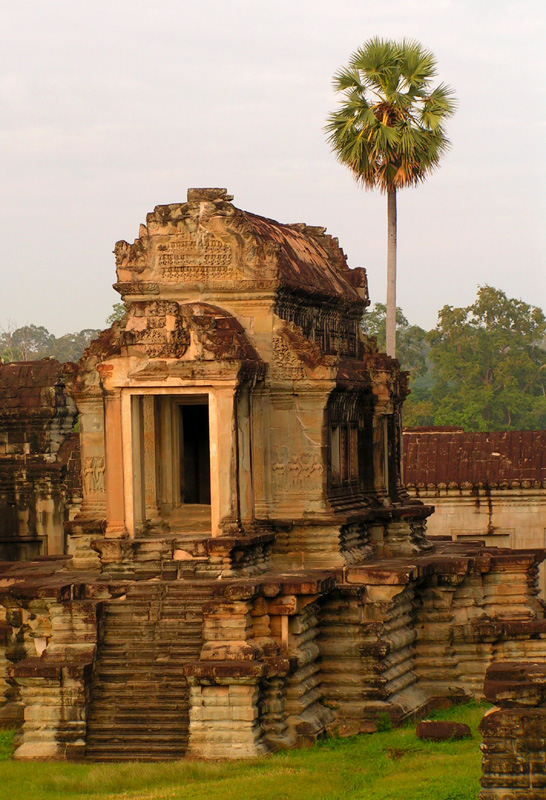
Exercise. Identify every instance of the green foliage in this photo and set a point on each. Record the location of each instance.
(6, 744)
(388, 128)
(25, 343)
(118, 312)
(393, 765)
(383, 722)
(488, 365)
(411, 342)
(32, 342)
(482, 368)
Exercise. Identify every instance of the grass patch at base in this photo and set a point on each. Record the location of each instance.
(391, 765)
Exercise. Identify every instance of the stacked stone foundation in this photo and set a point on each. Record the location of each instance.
(264, 661)
(514, 732)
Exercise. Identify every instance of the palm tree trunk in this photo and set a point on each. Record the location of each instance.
(391, 273)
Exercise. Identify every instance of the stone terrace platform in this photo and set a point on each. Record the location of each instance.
(220, 662)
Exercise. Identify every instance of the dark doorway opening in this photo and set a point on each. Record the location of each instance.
(195, 454)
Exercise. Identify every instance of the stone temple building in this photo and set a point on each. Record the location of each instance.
(245, 569)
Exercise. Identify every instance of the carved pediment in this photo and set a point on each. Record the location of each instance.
(208, 242)
(157, 329)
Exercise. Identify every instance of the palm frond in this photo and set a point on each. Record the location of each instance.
(347, 79)
(389, 128)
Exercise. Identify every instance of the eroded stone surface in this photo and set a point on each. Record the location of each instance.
(442, 730)
(514, 732)
(39, 459)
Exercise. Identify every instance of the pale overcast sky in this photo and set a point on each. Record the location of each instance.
(110, 108)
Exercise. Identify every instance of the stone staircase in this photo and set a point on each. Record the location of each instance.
(139, 709)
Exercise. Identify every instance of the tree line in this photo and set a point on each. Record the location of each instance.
(32, 342)
(482, 368)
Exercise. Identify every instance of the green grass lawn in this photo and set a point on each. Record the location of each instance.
(392, 765)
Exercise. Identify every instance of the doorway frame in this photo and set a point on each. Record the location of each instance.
(220, 404)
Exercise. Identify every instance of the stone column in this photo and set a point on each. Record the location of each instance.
(139, 515)
(168, 454)
(224, 711)
(115, 505)
(514, 732)
(91, 423)
(149, 443)
(222, 464)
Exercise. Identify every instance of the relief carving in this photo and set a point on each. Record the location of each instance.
(188, 258)
(285, 365)
(136, 287)
(131, 256)
(334, 331)
(93, 475)
(157, 329)
(296, 474)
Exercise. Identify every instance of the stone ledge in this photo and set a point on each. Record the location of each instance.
(239, 671)
(271, 584)
(52, 669)
(223, 545)
(512, 685)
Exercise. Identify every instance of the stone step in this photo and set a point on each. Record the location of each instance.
(125, 718)
(103, 756)
(169, 607)
(139, 697)
(138, 674)
(118, 691)
(175, 661)
(128, 642)
(136, 622)
(139, 718)
(117, 735)
(142, 677)
(108, 702)
(128, 749)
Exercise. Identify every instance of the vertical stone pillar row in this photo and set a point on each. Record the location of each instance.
(168, 461)
(91, 423)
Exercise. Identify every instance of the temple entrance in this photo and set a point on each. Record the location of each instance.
(171, 463)
(195, 454)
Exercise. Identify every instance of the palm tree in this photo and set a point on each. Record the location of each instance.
(389, 129)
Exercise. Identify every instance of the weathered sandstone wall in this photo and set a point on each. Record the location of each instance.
(40, 483)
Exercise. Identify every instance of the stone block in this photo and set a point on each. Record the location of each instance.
(442, 730)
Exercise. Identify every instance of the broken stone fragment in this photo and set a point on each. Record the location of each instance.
(442, 730)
